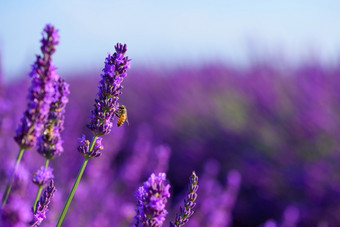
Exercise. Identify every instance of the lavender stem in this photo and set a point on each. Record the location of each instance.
(80, 174)
(37, 198)
(47, 161)
(11, 179)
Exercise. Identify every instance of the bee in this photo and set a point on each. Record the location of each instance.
(48, 131)
(121, 113)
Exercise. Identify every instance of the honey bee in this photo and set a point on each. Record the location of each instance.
(121, 113)
(48, 132)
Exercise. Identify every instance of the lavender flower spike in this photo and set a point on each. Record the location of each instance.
(40, 94)
(189, 203)
(106, 103)
(43, 176)
(42, 205)
(152, 198)
(50, 142)
(105, 108)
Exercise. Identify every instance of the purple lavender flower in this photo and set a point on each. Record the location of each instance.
(84, 147)
(152, 198)
(110, 87)
(42, 205)
(50, 142)
(40, 94)
(50, 41)
(43, 176)
(189, 203)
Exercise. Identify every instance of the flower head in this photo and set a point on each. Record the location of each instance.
(41, 92)
(43, 176)
(152, 198)
(42, 205)
(85, 150)
(189, 203)
(50, 142)
(106, 103)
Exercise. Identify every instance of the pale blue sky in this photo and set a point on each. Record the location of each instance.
(168, 32)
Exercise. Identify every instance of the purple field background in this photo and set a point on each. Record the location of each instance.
(263, 140)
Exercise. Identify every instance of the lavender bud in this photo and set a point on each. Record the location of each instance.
(42, 205)
(110, 87)
(41, 91)
(50, 40)
(189, 203)
(152, 198)
(84, 147)
(43, 176)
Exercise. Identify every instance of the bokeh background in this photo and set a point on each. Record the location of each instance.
(246, 93)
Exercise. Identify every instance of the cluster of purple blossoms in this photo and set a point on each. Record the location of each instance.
(43, 176)
(152, 198)
(86, 151)
(42, 205)
(106, 103)
(41, 92)
(50, 142)
(189, 203)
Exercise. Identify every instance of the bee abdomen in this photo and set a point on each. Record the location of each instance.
(121, 121)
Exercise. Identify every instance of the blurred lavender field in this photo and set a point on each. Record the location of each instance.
(263, 141)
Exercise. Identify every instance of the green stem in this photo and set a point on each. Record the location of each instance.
(70, 196)
(11, 179)
(47, 161)
(37, 198)
(93, 142)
